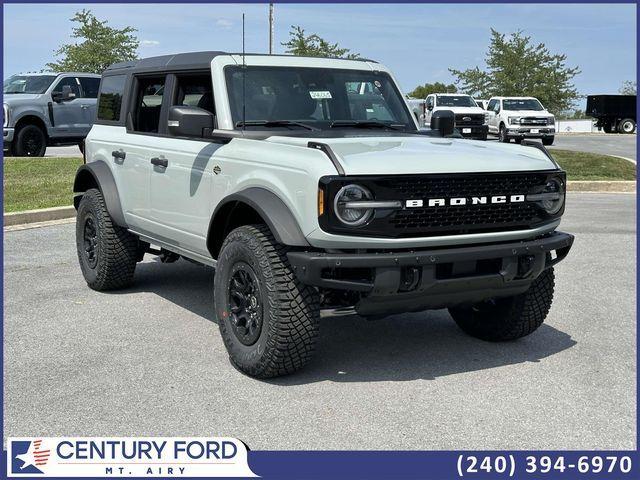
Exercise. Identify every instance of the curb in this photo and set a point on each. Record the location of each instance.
(42, 215)
(617, 186)
(59, 213)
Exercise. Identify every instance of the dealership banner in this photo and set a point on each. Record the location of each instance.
(127, 457)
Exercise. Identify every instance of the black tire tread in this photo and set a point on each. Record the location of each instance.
(516, 317)
(293, 306)
(118, 247)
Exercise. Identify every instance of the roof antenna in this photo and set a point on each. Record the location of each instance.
(244, 67)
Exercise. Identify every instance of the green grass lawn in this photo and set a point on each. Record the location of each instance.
(592, 166)
(31, 183)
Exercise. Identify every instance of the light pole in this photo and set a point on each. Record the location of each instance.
(270, 28)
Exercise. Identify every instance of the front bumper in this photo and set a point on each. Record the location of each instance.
(473, 130)
(435, 278)
(7, 136)
(522, 132)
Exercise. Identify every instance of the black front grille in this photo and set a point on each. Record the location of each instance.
(469, 119)
(533, 121)
(448, 219)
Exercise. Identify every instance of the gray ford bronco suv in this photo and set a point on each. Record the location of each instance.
(308, 192)
(42, 109)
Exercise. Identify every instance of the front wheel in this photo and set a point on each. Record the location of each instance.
(268, 319)
(107, 252)
(509, 318)
(548, 141)
(502, 135)
(30, 141)
(628, 125)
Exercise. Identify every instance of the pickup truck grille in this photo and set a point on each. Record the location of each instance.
(448, 219)
(469, 119)
(533, 121)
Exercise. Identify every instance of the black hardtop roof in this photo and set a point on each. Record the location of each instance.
(180, 61)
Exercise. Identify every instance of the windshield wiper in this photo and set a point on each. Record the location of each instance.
(366, 124)
(274, 123)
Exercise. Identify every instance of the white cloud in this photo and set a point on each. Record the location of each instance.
(149, 43)
(224, 23)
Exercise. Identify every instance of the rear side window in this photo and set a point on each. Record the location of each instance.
(90, 86)
(110, 101)
(146, 116)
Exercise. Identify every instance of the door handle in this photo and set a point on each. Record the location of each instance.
(119, 154)
(160, 162)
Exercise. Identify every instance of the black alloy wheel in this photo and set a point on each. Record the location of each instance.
(245, 304)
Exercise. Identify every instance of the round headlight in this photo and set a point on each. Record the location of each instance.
(552, 197)
(346, 208)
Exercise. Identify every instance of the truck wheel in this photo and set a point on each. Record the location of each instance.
(268, 319)
(508, 318)
(30, 141)
(502, 135)
(607, 127)
(627, 125)
(548, 141)
(107, 252)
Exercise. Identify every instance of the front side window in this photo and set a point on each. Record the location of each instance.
(315, 98)
(110, 101)
(34, 84)
(71, 82)
(195, 91)
(146, 116)
(524, 104)
(90, 87)
(455, 101)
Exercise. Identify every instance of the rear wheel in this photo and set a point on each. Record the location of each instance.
(502, 135)
(268, 319)
(30, 141)
(107, 252)
(627, 125)
(508, 318)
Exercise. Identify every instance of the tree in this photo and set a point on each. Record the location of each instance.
(629, 87)
(516, 67)
(98, 47)
(421, 91)
(314, 46)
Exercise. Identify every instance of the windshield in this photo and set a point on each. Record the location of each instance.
(316, 98)
(27, 83)
(526, 104)
(456, 101)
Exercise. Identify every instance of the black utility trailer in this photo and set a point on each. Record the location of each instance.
(615, 113)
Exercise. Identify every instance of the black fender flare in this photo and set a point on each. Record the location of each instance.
(99, 174)
(271, 209)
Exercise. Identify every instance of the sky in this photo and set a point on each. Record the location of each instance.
(418, 42)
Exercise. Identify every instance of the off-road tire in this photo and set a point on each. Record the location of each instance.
(30, 141)
(509, 318)
(627, 125)
(116, 249)
(502, 134)
(547, 141)
(290, 310)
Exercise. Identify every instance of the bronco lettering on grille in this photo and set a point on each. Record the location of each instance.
(457, 201)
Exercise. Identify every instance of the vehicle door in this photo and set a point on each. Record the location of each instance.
(430, 104)
(88, 101)
(182, 169)
(493, 110)
(66, 113)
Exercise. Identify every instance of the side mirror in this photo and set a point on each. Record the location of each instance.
(63, 96)
(429, 107)
(186, 121)
(443, 121)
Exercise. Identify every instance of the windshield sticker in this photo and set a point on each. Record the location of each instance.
(320, 94)
(377, 84)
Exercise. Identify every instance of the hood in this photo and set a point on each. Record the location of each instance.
(10, 98)
(422, 154)
(527, 113)
(462, 109)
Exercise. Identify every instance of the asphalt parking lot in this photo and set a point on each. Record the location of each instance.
(149, 360)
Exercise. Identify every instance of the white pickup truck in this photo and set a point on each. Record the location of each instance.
(470, 119)
(520, 117)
